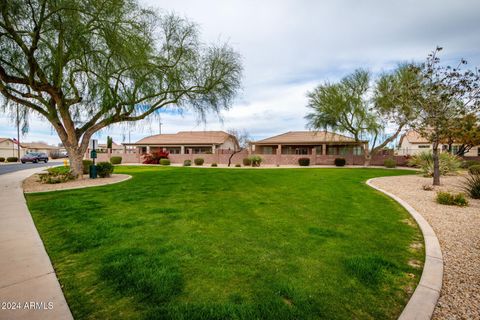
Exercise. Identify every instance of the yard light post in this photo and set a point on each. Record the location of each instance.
(93, 156)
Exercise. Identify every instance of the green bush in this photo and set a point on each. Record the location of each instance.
(214, 165)
(12, 159)
(424, 161)
(2, 159)
(116, 160)
(475, 170)
(57, 175)
(390, 163)
(246, 162)
(452, 199)
(304, 162)
(86, 166)
(187, 163)
(468, 163)
(164, 162)
(255, 161)
(472, 186)
(104, 169)
(340, 162)
(238, 165)
(198, 161)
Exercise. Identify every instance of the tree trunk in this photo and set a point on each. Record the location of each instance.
(436, 165)
(368, 158)
(231, 157)
(75, 157)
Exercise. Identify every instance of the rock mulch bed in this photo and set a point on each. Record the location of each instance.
(458, 230)
(32, 183)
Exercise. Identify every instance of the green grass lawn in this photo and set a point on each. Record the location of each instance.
(189, 243)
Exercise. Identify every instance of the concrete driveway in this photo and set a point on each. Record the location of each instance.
(13, 167)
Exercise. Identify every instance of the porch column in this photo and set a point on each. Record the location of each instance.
(279, 154)
(148, 149)
(324, 149)
(182, 149)
(213, 148)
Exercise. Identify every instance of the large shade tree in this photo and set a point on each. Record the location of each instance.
(464, 133)
(363, 108)
(85, 65)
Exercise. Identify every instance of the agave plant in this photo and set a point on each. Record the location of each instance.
(448, 163)
(472, 185)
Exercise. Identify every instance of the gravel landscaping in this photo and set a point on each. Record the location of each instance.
(458, 230)
(32, 183)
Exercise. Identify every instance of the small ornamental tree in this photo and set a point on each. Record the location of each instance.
(243, 139)
(464, 132)
(85, 65)
(446, 93)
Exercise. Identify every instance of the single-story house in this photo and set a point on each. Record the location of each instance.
(40, 147)
(8, 148)
(186, 142)
(412, 143)
(116, 148)
(308, 143)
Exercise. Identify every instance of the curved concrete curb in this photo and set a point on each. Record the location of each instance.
(83, 187)
(423, 301)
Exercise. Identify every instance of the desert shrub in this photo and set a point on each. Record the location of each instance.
(187, 163)
(214, 165)
(116, 160)
(198, 161)
(154, 157)
(468, 163)
(424, 161)
(246, 162)
(475, 170)
(452, 199)
(86, 166)
(238, 165)
(255, 161)
(340, 162)
(56, 175)
(2, 159)
(472, 185)
(304, 162)
(12, 159)
(164, 162)
(390, 163)
(104, 169)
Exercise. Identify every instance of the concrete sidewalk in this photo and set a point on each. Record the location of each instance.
(29, 288)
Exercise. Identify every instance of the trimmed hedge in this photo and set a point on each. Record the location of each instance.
(86, 166)
(198, 161)
(164, 162)
(214, 165)
(475, 169)
(247, 162)
(12, 159)
(104, 169)
(116, 160)
(304, 162)
(2, 159)
(238, 165)
(390, 163)
(340, 162)
(187, 163)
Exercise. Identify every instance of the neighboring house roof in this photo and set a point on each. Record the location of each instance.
(413, 137)
(187, 138)
(5, 139)
(306, 137)
(39, 145)
(115, 146)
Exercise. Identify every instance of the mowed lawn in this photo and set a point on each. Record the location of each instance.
(191, 243)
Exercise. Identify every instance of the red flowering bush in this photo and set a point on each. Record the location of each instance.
(154, 157)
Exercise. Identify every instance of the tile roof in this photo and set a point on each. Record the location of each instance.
(304, 137)
(38, 145)
(187, 137)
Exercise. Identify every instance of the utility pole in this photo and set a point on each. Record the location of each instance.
(18, 133)
(160, 124)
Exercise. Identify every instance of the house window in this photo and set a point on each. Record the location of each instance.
(302, 150)
(424, 146)
(319, 150)
(455, 149)
(267, 150)
(358, 151)
(174, 150)
(332, 150)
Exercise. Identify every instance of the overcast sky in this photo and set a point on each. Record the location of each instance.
(288, 47)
